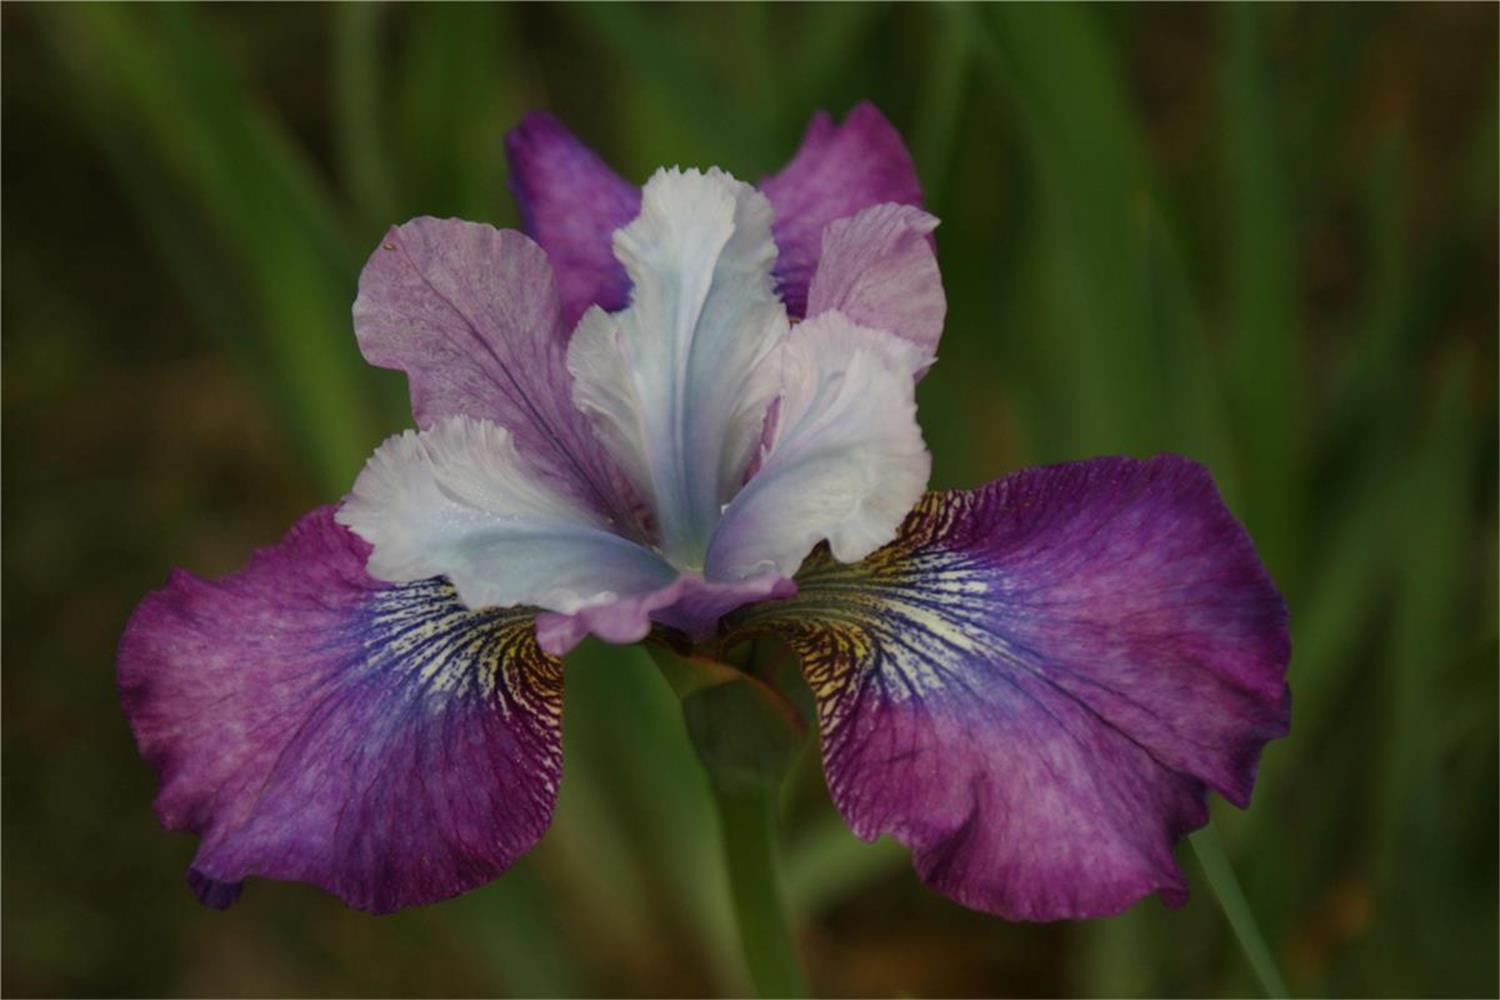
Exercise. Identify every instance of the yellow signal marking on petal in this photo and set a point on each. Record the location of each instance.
(424, 629)
(910, 611)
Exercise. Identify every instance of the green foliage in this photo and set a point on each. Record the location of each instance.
(1261, 236)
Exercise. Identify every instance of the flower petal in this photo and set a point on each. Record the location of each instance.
(311, 723)
(1032, 686)
(878, 269)
(678, 383)
(456, 500)
(837, 171)
(471, 314)
(846, 461)
(571, 203)
(689, 604)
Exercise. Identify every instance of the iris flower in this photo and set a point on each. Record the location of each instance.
(685, 414)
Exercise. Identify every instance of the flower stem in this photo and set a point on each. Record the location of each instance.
(1226, 887)
(748, 831)
(746, 735)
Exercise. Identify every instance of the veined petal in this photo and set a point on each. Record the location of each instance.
(471, 314)
(837, 171)
(846, 461)
(678, 383)
(878, 268)
(1032, 686)
(571, 203)
(457, 500)
(311, 723)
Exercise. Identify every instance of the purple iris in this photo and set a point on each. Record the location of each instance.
(685, 413)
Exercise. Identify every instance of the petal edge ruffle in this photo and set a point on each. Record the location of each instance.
(470, 313)
(1034, 685)
(313, 724)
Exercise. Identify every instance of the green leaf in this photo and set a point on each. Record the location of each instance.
(676, 83)
(359, 112)
(459, 88)
(158, 77)
(1265, 369)
(1111, 372)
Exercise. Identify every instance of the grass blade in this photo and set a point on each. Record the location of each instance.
(1113, 372)
(1220, 875)
(1264, 369)
(358, 112)
(157, 70)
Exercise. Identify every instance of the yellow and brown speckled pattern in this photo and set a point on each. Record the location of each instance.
(309, 722)
(1033, 685)
(912, 604)
(425, 632)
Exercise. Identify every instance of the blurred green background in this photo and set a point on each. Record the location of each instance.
(1262, 236)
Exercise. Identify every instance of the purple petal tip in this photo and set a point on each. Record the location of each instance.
(213, 893)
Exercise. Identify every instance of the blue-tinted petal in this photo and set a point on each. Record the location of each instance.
(678, 383)
(1032, 686)
(457, 500)
(844, 461)
(311, 723)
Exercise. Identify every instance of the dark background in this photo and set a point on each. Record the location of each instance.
(1263, 236)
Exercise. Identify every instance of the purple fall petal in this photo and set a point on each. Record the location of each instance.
(471, 314)
(689, 604)
(1034, 684)
(571, 203)
(837, 171)
(878, 269)
(311, 723)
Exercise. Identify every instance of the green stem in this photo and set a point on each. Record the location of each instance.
(747, 822)
(1226, 887)
(746, 735)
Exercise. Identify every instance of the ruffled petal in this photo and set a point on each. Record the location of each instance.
(690, 604)
(878, 268)
(845, 460)
(311, 723)
(678, 383)
(837, 171)
(571, 203)
(471, 314)
(456, 500)
(1033, 685)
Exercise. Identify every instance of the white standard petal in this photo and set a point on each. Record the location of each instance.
(678, 383)
(846, 461)
(457, 500)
